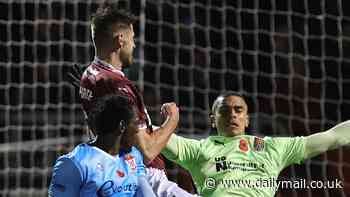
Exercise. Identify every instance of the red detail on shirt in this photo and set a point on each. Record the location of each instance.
(120, 173)
(243, 145)
(128, 157)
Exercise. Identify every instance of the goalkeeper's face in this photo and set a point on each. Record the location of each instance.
(127, 49)
(231, 116)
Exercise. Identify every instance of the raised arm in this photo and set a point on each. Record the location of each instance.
(151, 144)
(331, 139)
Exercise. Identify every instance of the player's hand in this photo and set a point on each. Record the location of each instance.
(75, 73)
(170, 110)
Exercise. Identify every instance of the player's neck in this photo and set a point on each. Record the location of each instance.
(231, 134)
(108, 143)
(112, 59)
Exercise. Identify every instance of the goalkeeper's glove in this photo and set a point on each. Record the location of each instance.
(75, 73)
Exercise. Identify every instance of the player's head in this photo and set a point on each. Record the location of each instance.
(230, 114)
(112, 32)
(112, 114)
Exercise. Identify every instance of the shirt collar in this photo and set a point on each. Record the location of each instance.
(106, 64)
(224, 140)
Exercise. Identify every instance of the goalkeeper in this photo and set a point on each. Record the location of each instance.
(233, 155)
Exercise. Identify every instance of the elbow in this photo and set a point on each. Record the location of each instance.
(148, 153)
(148, 156)
(339, 139)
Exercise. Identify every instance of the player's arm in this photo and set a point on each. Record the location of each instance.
(66, 179)
(182, 151)
(333, 138)
(151, 144)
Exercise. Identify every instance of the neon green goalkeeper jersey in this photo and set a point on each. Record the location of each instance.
(235, 166)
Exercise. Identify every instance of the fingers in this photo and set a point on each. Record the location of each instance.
(169, 109)
(76, 71)
(79, 69)
(73, 80)
(74, 75)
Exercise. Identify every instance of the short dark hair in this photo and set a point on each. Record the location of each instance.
(107, 113)
(225, 95)
(105, 17)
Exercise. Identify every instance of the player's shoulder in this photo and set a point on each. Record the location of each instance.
(136, 153)
(78, 155)
(72, 158)
(99, 72)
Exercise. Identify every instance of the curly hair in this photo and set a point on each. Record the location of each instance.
(108, 112)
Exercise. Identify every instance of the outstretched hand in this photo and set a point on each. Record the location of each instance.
(75, 73)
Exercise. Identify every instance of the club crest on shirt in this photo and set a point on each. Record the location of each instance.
(130, 160)
(92, 73)
(259, 144)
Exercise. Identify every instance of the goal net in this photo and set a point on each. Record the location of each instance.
(291, 59)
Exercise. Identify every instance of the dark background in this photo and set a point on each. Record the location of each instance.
(289, 58)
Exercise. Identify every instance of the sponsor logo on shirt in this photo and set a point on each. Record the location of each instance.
(130, 160)
(259, 144)
(109, 188)
(222, 164)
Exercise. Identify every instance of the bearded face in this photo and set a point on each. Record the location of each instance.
(126, 56)
(126, 51)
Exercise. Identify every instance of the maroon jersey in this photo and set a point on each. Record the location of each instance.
(101, 79)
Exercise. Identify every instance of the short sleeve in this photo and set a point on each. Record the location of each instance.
(66, 179)
(291, 150)
(182, 151)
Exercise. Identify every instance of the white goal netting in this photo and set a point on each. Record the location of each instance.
(291, 59)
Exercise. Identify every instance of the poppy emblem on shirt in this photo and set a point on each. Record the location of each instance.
(259, 144)
(130, 160)
(243, 145)
(120, 173)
